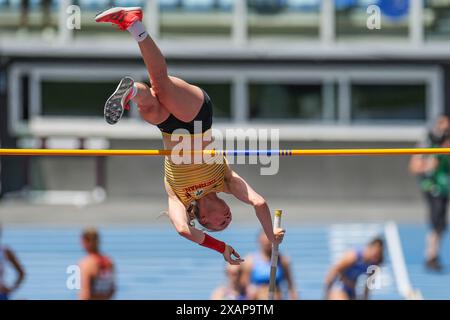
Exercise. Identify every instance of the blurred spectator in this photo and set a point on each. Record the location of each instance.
(8, 256)
(341, 280)
(433, 173)
(232, 289)
(267, 6)
(24, 11)
(97, 270)
(256, 273)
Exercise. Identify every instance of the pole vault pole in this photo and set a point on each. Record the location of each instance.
(274, 257)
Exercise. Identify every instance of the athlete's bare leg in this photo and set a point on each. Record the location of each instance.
(179, 97)
(175, 95)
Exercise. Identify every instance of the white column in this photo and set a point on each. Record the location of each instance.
(35, 105)
(15, 94)
(240, 23)
(65, 33)
(345, 101)
(327, 22)
(152, 18)
(416, 22)
(240, 104)
(435, 95)
(328, 111)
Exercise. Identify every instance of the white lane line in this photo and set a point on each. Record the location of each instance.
(404, 286)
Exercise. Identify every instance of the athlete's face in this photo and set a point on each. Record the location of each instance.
(216, 216)
(443, 124)
(375, 253)
(88, 245)
(85, 244)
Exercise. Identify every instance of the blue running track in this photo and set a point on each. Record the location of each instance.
(153, 262)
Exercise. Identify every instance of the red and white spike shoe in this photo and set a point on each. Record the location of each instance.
(118, 102)
(121, 16)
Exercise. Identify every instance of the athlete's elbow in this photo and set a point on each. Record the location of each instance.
(183, 230)
(22, 275)
(259, 202)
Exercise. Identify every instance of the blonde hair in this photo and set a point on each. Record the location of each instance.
(193, 213)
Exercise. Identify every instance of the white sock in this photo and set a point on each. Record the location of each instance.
(138, 31)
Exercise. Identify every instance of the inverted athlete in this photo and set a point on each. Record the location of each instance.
(170, 104)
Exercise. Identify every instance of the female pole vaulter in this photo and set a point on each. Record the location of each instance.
(170, 104)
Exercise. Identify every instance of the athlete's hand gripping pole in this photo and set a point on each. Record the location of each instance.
(274, 258)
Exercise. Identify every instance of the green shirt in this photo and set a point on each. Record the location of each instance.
(437, 181)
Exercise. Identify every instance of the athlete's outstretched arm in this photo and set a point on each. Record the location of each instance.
(178, 217)
(17, 266)
(244, 192)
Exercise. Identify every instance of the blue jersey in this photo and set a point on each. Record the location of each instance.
(352, 274)
(357, 269)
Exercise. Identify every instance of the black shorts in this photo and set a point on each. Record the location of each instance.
(437, 206)
(203, 118)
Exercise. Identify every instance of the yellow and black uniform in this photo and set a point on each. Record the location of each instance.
(191, 182)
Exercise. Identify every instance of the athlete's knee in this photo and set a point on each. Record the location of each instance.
(143, 95)
(142, 90)
(161, 85)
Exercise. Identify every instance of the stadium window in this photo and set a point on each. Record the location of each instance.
(286, 102)
(437, 19)
(220, 94)
(25, 82)
(389, 102)
(75, 98)
(284, 18)
(212, 18)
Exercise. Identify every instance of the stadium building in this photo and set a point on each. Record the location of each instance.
(353, 73)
